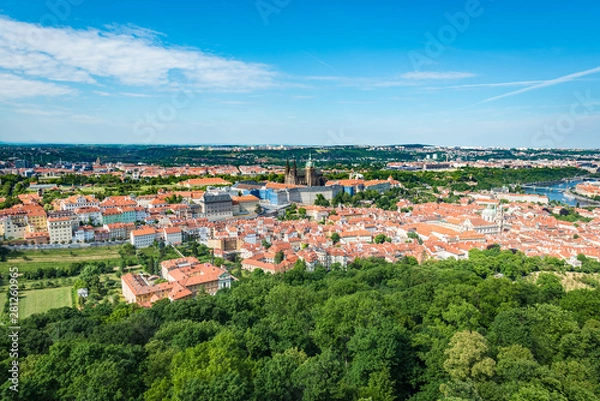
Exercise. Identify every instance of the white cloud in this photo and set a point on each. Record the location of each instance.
(365, 83)
(39, 112)
(325, 78)
(406, 79)
(131, 94)
(54, 113)
(434, 75)
(15, 87)
(130, 56)
(487, 85)
(234, 102)
(388, 84)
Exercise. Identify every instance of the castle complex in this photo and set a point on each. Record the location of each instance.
(310, 176)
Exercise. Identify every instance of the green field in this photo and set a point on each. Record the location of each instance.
(32, 260)
(38, 301)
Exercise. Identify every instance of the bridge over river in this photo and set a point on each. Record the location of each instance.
(543, 189)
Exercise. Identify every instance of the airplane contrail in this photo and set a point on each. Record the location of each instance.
(545, 84)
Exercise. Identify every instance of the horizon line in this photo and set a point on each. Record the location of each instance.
(321, 146)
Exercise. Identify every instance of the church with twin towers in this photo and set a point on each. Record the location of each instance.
(309, 176)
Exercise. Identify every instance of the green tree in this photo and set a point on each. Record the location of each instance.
(302, 212)
(321, 201)
(380, 239)
(319, 378)
(335, 238)
(215, 370)
(466, 357)
(279, 256)
(272, 380)
(551, 287)
(516, 363)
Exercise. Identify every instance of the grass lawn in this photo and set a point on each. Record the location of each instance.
(38, 301)
(170, 186)
(2, 302)
(169, 252)
(94, 189)
(32, 260)
(570, 280)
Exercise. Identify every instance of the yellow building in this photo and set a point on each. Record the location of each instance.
(36, 216)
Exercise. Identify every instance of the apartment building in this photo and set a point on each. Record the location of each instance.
(89, 215)
(171, 235)
(70, 214)
(119, 231)
(143, 237)
(85, 234)
(60, 230)
(36, 216)
(78, 202)
(14, 225)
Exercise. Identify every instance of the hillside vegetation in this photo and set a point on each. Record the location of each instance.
(376, 331)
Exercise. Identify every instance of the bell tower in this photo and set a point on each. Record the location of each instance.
(310, 172)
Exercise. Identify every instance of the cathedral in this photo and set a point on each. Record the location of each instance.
(310, 176)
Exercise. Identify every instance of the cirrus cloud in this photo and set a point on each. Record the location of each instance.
(437, 75)
(86, 56)
(15, 87)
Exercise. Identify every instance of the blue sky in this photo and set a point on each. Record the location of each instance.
(483, 73)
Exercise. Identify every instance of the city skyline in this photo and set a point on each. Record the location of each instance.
(300, 200)
(469, 73)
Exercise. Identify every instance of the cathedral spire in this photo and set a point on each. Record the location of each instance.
(309, 163)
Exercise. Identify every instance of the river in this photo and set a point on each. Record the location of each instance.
(551, 191)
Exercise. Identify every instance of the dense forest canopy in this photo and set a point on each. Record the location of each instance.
(451, 330)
